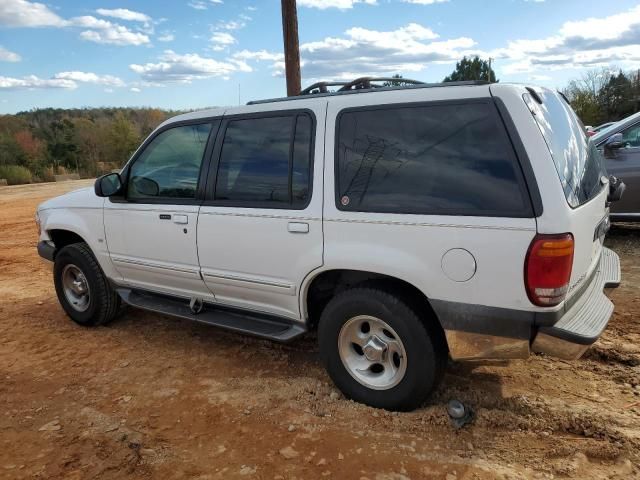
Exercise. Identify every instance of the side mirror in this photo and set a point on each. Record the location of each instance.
(145, 186)
(614, 142)
(108, 185)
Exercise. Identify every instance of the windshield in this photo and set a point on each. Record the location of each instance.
(578, 162)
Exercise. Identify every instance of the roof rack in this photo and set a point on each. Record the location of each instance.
(358, 84)
(364, 85)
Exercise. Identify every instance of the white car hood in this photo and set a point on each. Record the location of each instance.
(84, 198)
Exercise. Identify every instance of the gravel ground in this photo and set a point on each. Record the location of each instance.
(154, 397)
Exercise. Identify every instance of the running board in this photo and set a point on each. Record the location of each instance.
(259, 325)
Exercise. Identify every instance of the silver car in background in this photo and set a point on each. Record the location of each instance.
(620, 145)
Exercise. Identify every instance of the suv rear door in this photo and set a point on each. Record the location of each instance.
(260, 228)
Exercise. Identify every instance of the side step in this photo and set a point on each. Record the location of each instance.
(263, 326)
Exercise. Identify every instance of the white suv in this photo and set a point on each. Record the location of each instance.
(405, 224)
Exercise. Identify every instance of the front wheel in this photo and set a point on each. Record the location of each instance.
(378, 350)
(82, 288)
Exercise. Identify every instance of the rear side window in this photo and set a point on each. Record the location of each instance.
(446, 159)
(578, 163)
(266, 162)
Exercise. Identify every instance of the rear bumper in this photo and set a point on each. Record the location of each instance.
(480, 332)
(587, 318)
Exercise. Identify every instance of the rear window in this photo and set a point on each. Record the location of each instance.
(446, 159)
(577, 161)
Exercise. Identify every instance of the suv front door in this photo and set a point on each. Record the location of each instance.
(260, 229)
(151, 230)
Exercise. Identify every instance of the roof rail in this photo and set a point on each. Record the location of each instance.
(321, 87)
(364, 85)
(365, 82)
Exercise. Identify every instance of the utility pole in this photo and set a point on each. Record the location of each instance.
(291, 47)
(489, 74)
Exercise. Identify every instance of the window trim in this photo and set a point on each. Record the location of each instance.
(215, 123)
(212, 177)
(521, 179)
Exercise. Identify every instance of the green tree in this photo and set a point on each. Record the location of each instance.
(471, 69)
(122, 139)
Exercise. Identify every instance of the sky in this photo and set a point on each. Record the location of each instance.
(191, 54)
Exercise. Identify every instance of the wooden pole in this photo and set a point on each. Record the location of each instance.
(291, 48)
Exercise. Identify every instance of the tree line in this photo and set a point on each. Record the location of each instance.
(602, 95)
(38, 144)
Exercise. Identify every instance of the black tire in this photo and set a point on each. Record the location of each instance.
(104, 302)
(426, 354)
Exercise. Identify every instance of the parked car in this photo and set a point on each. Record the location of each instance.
(620, 145)
(591, 131)
(405, 224)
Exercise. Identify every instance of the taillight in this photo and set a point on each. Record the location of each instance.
(547, 269)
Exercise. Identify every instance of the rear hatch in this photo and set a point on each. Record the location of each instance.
(583, 177)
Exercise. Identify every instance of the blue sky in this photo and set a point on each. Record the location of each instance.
(188, 54)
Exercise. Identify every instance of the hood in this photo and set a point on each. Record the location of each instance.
(84, 197)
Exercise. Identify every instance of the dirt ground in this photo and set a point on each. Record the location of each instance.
(154, 397)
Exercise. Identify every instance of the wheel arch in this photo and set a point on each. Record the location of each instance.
(61, 237)
(319, 288)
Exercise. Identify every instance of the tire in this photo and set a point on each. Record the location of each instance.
(101, 303)
(418, 360)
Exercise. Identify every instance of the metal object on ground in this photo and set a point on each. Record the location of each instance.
(459, 413)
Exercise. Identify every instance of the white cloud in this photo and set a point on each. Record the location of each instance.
(103, 31)
(135, 90)
(197, 5)
(124, 14)
(33, 82)
(221, 40)
(428, 2)
(167, 37)
(22, 13)
(177, 68)
(8, 55)
(341, 4)
(590, 42)
(371, 52)
(88, 77)
(258, 55)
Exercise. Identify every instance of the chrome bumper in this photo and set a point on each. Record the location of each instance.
(587, 318)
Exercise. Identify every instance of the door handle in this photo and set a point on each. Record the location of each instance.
(298, 227)
(181, 219)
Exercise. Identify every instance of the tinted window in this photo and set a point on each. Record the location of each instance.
(440, 159)
(169, 166)
(266, 161)
(631, 137)
(577, 161)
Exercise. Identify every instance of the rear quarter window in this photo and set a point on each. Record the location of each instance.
(447, 159)
(577, 160)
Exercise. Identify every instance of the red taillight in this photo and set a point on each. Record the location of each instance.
(547, 269)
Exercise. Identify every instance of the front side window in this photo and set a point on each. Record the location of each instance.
(446, 159)
(266, 162)
(631, 137)
(169, 166)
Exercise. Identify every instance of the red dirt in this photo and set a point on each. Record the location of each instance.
(154, 397)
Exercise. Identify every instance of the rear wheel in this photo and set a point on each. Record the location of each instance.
(378, 350)
(82, 288)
